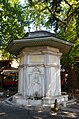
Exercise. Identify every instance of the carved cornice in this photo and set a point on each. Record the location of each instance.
(39, 65)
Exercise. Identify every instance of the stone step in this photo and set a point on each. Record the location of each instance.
(70, 102)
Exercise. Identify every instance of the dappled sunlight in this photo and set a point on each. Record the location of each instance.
(40, 111)
(70, 114)
(2, 113)
(52, 113)
(64, 114)
(43, 114)
(36, 117)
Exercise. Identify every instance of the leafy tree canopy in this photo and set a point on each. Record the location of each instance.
(62, 15)
(12, 20)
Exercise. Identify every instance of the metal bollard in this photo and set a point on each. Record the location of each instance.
(56, 106)
(8, 93)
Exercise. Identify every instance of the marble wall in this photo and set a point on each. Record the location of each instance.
(39, 72)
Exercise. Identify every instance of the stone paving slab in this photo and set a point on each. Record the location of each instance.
(14, 112)
(18, 112)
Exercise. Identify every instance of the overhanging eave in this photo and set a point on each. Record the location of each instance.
(17, 45)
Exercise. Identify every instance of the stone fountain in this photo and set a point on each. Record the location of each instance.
(39, 80)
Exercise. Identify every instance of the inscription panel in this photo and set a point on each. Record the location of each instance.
(36, 59)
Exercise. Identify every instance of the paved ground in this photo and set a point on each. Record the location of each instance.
(8, 111)
(13, 112)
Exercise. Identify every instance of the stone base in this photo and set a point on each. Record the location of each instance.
(35, 102)
(51, 100)
(20, 100)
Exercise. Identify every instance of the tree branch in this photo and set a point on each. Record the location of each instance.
(67, 3)
(53, 14)
(71, 14)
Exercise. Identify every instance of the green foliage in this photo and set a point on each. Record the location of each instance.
(62, 15)
(12, 21)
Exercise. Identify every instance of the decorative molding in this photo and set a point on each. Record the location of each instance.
(40, 53)
(39, 65)
(40, 50)
(23, 66)
(35, 81)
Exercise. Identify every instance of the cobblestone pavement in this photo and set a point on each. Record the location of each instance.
(14, 112)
